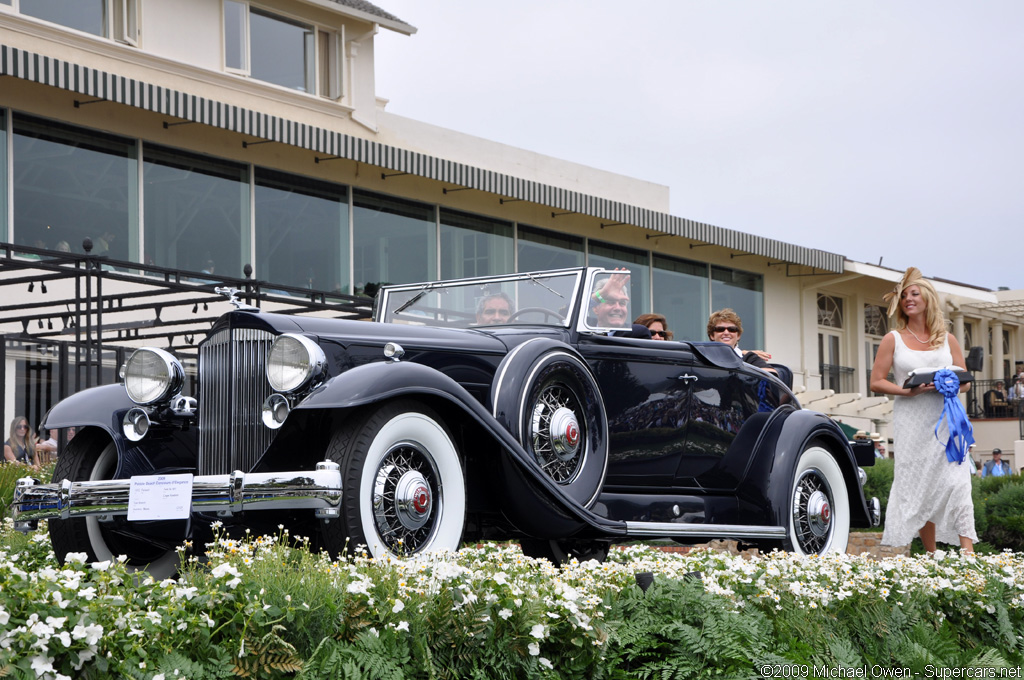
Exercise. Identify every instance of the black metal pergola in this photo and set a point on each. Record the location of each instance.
(74, 317)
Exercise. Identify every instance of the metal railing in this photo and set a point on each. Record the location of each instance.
(837, 378)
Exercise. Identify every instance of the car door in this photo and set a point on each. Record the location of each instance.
(646, 389)
(728, 410)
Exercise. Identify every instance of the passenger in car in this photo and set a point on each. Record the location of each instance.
(725, 326)
(656, 324)
(493, 309)
(610, 301)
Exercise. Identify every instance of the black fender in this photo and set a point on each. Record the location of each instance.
(513, 381)
(103, 407)
(766, 488)
(532, 498)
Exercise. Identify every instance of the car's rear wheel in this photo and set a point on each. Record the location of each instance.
(559, 552)
(819, 510)
(148, 545)
(562, 424)
(404, 488)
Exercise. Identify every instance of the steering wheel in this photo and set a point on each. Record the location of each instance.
(541, 310)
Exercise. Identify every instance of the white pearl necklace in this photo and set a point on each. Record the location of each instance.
(915, 336)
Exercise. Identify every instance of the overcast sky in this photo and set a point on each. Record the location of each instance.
(877, 129)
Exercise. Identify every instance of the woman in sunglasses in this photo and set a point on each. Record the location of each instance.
(21, 446)
(656, 324)
(725, 326)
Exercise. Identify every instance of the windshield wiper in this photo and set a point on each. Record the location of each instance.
(550, 289)
(414, 299)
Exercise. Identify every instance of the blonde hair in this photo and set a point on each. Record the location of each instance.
(934, 319)
(29, 440)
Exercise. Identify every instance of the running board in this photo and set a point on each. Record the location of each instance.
(703, 531)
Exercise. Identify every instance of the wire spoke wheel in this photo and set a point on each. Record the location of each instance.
(556, 433)
(407, 499)
(819, 508)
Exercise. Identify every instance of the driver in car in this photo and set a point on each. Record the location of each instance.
(494, 309)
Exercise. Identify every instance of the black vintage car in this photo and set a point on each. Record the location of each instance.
(508, 407)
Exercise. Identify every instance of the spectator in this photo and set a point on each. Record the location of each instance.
(725, 326)
(997, 467)
(995, 402)
(656, 324)
(1017, 390)
(879, 445)
(46, 446)
(20, 446)
(493, 309)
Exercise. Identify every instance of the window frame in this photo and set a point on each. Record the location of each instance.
(327, 80)
(120, 20)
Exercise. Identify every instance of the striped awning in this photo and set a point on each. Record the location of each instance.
(65, 75)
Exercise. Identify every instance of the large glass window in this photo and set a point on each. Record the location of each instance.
(394, 241)
(301, 232)
(636, 261)
(744, 293)
(281, 50)
(681, 294)
(84, 15)
(196, 212)
(472, 245)
(540, 250)
(108, 18)
(70, 184)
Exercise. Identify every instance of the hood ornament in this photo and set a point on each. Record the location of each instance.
(232, 295)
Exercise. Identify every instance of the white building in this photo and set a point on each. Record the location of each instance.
(185, 134)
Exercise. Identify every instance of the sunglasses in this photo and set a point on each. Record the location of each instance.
(23, 426)
(663, 334)
(497, 312)
(722, 329)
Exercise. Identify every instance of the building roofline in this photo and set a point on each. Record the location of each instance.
(33, 67)
(365, 11)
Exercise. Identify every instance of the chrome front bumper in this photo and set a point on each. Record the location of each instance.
(222, 495)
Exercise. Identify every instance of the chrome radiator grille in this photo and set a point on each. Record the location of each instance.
(232, 387)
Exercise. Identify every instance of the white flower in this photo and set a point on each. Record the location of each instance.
(4, 616)
(538, 631)
(544, 662)
(223, 569)
(158, 676)
(534, 649)
(91, 633)
(87, 593)
(399, 606)
(64, 637)
(42, 664)
(101, 566)
(76, 557)
(505, 613)
(404, 625)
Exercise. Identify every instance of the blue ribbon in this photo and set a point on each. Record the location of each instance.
(961, 434)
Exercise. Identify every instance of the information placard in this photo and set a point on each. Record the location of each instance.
(159, 497)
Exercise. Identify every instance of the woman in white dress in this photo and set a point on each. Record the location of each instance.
(930, 496)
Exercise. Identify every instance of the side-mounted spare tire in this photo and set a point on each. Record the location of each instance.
(546, 396)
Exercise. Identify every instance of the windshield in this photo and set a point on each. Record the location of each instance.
(521, 299)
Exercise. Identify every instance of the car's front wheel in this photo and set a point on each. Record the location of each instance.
(819, 510)
(404, 488)
(147, 545)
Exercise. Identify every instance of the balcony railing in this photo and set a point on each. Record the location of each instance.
(837, 378)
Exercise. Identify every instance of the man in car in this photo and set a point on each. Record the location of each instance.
(610, 302)
(494, 309)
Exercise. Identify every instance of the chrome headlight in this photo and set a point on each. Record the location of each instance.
(152, 375)
(294, 361)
